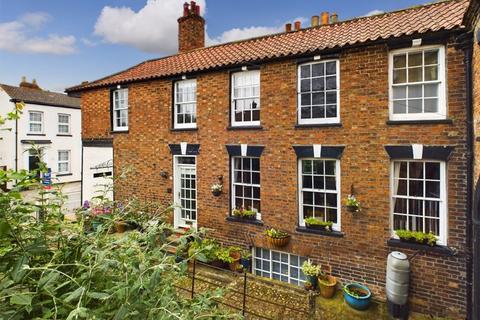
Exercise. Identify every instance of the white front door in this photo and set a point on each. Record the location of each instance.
(185, 191)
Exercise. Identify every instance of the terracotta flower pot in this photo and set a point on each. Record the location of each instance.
(120, 226)
(278, 242)
(236, 260)
(327, 288)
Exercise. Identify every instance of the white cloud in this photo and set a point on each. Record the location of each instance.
(152, 29)
(16, 36)
(89, 42)
(373, 13)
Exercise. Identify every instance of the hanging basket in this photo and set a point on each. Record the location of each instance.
(278, 242)
(217, 193)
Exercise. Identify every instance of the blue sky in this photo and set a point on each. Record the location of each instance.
(64, 42)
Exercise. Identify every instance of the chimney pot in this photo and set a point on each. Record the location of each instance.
(298, 25)
(185, 9)
(192, 7)
(197, 10)
(288, 27)
(334, 18)
(325, 18)
(24, 79)
(315, 21)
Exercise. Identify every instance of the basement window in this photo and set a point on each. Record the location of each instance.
(319, 92)
(417, 83)
(185, 113)
(246, 98)
(278, 265)
(120, 110)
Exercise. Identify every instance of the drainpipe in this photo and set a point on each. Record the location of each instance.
(465, 41)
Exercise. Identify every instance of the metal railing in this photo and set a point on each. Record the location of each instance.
(310, 303)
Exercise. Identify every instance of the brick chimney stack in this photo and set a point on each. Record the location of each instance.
(191, 28)
(31, 85)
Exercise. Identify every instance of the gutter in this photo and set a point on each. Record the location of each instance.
(465, 42)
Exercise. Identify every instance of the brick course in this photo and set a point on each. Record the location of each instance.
(438, 282)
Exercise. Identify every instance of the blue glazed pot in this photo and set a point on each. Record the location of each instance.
(313, 280)
(358, 303)
(245, 263)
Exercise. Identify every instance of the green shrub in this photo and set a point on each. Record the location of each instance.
(317, 222)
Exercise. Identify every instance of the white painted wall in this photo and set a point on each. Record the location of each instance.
(7, 138)
(92, 158)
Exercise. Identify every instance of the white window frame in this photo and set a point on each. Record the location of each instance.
(68, 162)
(270, 262)
(233, 183)
(66, 124)
(233, 99)
(443, 205)
(177, 125)
(36, 122)
(119, 108)
(442, 79)
(335, 226)
(318, 120)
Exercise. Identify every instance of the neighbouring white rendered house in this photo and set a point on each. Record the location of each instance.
(51, 121)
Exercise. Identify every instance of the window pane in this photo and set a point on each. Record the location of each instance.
(318, 69)
(415, 170)
(415, 106)
(431, 73)
(400, 106)
(415, 59)
(331, 68)
(432, 170)
(431, 105)
(399, 61)
(431, 57)
(305, 71)
(415, 74)
(399, 92)
(400, 76)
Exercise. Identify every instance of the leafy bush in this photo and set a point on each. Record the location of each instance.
(204, 250)
(417, 236)
(53, 269)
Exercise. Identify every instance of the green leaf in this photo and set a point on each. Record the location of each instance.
(74, 295)
(121, 313)
(98, 295)
(22, 299)
(79, 312)
(4, 228)
(19, 270)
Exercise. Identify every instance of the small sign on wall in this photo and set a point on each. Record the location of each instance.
(47, 179)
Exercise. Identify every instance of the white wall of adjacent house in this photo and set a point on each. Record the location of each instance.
(7, 137)
(97, 172)
(57, 132)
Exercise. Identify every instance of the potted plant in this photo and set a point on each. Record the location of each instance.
(204, 250)
(244, 213)
(357, 296)
(352, 204)
(235, 254)
(327, 284)
(317, 224)
(217, 189)
(417, 237)
(245, 259)
(277, 238)
(311, 272)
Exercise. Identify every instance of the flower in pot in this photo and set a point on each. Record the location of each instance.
(417, 237)
(352, 204)
(327, 284)
(277, 238)
(245, 259)
(217, 189)
(244, 213)
(315, 223)
(311, 272)
(228, 256)
(357, 296)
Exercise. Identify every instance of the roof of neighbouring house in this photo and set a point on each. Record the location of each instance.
(37, 96)
(445, 15)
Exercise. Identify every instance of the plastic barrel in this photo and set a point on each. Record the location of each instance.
(398, 277)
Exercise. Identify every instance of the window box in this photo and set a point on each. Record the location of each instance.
(335, 234)
(248, 221)
(438, 249)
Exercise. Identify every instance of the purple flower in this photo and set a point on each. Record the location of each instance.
(86, 205)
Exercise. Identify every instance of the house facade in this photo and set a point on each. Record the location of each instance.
(291, 124)
(52, 123)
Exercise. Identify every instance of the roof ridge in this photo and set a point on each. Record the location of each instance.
(291, 43)
(272, 35)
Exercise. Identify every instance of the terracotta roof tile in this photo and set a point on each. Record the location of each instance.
(446, 15)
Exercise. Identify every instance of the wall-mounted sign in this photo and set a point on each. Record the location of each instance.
(47, 179)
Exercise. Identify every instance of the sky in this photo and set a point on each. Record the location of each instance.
(61, 43)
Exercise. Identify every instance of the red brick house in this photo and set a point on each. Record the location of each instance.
(384, 107)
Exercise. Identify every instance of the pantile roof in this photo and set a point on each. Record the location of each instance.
(29, 95)
(445, 15)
